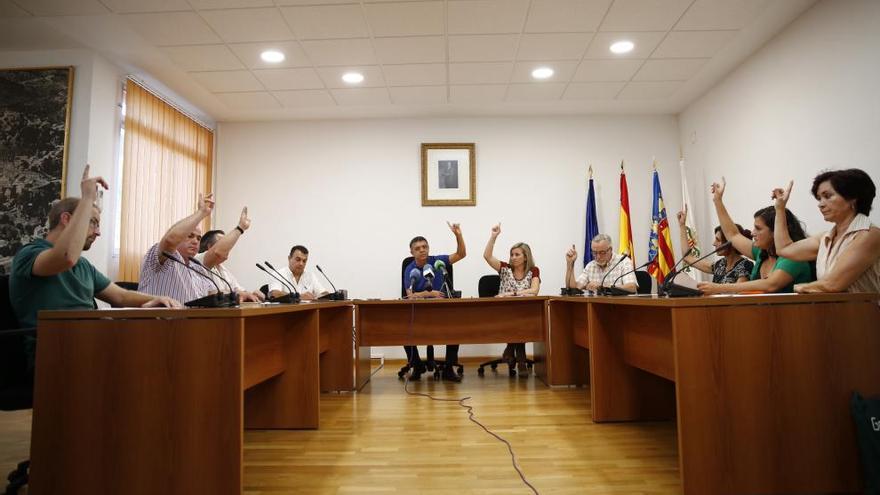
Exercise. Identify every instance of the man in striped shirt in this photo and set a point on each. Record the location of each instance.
(605, 266)
(162, 277)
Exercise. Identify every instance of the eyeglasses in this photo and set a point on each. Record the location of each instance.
(600, 253)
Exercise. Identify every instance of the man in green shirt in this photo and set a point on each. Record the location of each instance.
(50, 273)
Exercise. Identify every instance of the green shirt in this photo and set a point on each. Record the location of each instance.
(71, 289)
(799, 270)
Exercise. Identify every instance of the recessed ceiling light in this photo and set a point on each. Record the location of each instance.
(353, 77)
(542, 73)
(622, 47)
(272, 56)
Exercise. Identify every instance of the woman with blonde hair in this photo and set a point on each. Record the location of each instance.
(519, 277)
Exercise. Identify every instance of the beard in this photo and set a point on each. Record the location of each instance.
(88, 243)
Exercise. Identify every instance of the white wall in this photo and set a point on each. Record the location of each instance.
(806, 101)
(350, 192)
(94, 127)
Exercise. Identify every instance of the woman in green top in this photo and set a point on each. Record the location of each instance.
(771, 273)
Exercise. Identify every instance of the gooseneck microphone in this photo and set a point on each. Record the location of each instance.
(216, 300)
(337, 295)
(283, 280)
(287, 298)
(428, 273)
(602, 290)
(671, 289)
(624, 291)
(215, 274)
(440, 266)
(414, 275)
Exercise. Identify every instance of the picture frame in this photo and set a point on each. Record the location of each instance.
(34, 146)
(449, 174)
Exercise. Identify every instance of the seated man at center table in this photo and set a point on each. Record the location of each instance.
(418, 247)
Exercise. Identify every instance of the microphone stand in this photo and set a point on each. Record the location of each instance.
(671, 289)
(612, 291)
(337, 295)
(290, 285)
(285, 299)
(624, 292)
(216, 300)
(232, 294)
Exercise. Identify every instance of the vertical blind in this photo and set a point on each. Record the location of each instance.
(167, 163)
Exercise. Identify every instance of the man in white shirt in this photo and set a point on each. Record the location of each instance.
(305, 282)
(605, 265)
(215, 247)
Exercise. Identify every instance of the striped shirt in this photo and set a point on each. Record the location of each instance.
(172, 279)
(595, 273)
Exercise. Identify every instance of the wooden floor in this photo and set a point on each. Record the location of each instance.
(381, 440)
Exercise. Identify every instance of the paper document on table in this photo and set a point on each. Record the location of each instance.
(684, 280)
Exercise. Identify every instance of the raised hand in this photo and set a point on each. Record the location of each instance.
(682, 216)
(718, 189)
(244, 222)
(496, 229)
(780, 196)
(206, 204)
(571, 254)
(89, 185)
(455, 228)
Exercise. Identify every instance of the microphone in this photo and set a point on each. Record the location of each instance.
(602, 282)
(671, 289)
(216, 300)
(232, 293)
(428, 273)
(440, 266)
(414, 275)
(616, 291)
(287, 298)
(337, 295)
(283, 280)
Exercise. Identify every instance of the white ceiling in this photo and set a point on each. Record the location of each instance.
(419, 57)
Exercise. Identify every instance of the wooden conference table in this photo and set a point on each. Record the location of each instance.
(146, 401)
(761, 384)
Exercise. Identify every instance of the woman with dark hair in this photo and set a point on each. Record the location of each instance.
(730, 268)
(771, 273)
(519, 277)
(845, 198)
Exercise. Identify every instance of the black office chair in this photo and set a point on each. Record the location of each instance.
(488, 286)
(16, 377)
(435, 366)
(644, 280)
(265, 290)
(128, 285)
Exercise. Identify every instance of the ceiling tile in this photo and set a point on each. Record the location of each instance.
(424, 95)
(680, 69)
(569, 46)
(405, 19)
(607, 70)
(229, 4)
(645, 44)
(9, 9)
(535, 92)
(593, 90)
(332, 76)
(248, 25)
(485, 16)
(340, 52)
(565, 16)
(643, 15)
(326, 21)
(203, 57)
(311, 2)
(693, 44)
(490, 48)
(477, 94)
(64, 7)
(249, 53)
(31, 33)
(223, 81)
(705, 15)
(415, 74)
(126, 6)
(305, 98)
(480, 73)
(649, 90)
(422, 49)
(362, 96)
(562, 72)
(172, 28)
(280, 79)
(248, 101)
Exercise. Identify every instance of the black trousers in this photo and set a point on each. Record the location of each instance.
(412, 354)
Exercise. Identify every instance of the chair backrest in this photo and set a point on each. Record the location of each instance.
(7, 315)
(489, 285)
(16, 382)
(265, 290)
(128, 285)
(406, 261)
(644, 280)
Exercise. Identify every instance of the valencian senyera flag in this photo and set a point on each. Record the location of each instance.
(659, 245)
(626, 231)
(592, 229)
(690, 223)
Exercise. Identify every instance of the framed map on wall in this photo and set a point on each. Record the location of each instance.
(34, 134)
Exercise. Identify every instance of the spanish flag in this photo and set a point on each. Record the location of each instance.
(660, 246)
(626, 231)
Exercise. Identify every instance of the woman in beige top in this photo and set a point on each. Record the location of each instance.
(848, 256)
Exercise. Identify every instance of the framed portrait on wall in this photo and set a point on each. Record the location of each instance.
(449, 174)
(34, 135)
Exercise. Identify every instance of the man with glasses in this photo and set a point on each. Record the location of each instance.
(604, 266)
